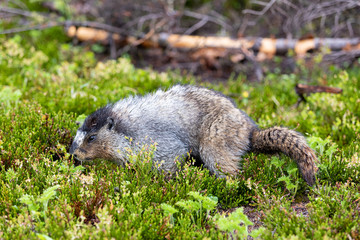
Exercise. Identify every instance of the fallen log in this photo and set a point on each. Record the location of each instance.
(267, 46)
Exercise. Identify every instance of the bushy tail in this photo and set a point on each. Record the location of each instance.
(289, 142)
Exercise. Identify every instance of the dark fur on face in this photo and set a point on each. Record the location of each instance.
(100, 117)
(97, 120)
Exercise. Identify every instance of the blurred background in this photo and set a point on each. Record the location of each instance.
(272, 29)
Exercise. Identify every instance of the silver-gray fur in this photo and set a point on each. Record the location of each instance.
(183, 120)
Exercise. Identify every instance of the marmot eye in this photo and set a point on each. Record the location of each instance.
(91, 138)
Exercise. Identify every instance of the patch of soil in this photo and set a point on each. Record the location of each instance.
(300, 208)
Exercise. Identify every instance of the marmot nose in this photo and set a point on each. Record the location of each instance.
(72, 148)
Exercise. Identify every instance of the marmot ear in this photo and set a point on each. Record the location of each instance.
(110, 123)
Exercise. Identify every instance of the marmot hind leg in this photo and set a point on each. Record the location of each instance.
(222, 147)
(218, 161)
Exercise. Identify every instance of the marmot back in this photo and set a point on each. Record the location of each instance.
(182, 120)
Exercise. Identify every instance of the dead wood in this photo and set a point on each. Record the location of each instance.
(303, 89)
(267, 46)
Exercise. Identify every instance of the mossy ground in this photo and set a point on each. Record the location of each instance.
(46, 84)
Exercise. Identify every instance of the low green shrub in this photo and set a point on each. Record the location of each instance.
(75, 82)
(333, 213)
(28, 133)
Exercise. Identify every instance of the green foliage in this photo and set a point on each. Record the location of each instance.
(287, 179)
(192, 212)
(334, 167)
(27, 133)
(34, 204)
(333, 213)
(73, 82)
(47, 85)
(9, 95)
(237, 224)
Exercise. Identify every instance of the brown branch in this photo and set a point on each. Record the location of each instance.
(95, 31)
(96, 25)
(258, 72)
(93, 35)
(307, 89)
(147, 35)
(303, 89)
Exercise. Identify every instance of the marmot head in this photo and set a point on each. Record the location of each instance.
(101, 136)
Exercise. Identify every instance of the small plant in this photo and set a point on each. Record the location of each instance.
(198, 210)
(38, 206)
(9, 95)
(333, 166)
(236, 224)
(292, 171)
(169, 211)
(332, 212)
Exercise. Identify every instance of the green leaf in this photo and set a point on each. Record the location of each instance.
(283, 179)
(48, 194)
(168, 209)
(43, 236)
(276, 162)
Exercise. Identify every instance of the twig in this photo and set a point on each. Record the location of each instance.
(195, 27)
(28, 28)
(217, 21)
(149, 34)
(257, 67)
(142, 19)
(17, 11)
(350, 29)
(262, 12)
(258, 13)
